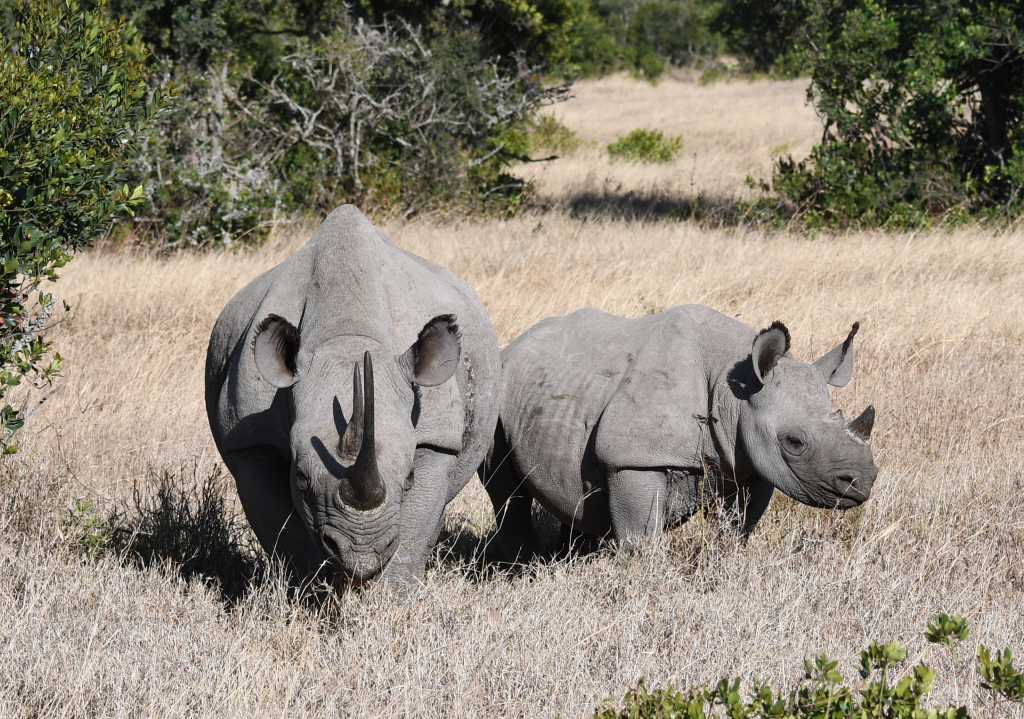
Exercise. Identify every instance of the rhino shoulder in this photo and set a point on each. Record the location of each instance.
(658, 414)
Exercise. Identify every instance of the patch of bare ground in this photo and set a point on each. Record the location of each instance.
(939, 355)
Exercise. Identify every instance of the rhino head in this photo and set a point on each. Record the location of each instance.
(789, 433)
(353, 439)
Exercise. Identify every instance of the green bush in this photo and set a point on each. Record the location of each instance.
(550, 135)
(645, 38)
(72, 105)
(824, 694)
(643, 145)
(923, 108)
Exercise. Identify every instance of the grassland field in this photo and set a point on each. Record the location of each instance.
(939, 354)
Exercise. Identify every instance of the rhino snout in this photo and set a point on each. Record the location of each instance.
(359, 561)
(853, 488)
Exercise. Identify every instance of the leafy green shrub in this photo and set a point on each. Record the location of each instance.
(923, 108)
(72, 105)
(647, 37)
(643, 145)
(823, 693)
(550, 135)
(178, 521)
(372, 115)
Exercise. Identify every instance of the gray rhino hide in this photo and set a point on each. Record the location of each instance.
(287, 368)
(622, 426)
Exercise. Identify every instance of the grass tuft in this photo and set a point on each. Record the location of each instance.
(179, 522)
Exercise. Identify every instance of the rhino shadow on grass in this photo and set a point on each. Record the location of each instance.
(647, 205)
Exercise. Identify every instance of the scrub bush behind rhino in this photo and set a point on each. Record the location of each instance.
(611, 423)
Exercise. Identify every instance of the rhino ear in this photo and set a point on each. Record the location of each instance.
(276, 346)
(434, 357)
(837, 363)
(769, 347)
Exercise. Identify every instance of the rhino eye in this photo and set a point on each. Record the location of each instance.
(794, 443)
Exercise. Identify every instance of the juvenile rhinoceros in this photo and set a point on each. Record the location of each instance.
(613, 424)
(352, 391)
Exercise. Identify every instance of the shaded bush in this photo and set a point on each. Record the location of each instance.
(644, 145)
(923, 108)
(371, 115)
(177, 521)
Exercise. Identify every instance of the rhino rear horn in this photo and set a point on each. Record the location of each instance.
(837, 363)
(861, 427)
(275, 349)
(362, 487)
(352, 441)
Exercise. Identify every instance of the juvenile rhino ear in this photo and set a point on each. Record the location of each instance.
(837, 363)
(769, 347)
(433, 359)
(277, 344)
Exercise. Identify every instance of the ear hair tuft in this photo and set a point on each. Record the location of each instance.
(285, 336)
(429, 328)
(849, 337)
(776, 325)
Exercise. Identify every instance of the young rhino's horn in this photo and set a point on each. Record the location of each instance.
(861, 427)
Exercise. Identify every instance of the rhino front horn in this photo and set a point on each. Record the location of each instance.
(861, 427)
(362, 487)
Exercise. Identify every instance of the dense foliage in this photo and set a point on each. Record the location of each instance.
(72, 104)
(824, 694)
(289, 106)
(922, 106)
(646, 37)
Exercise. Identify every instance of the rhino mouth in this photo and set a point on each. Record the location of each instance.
(848, 494)
(358, 564)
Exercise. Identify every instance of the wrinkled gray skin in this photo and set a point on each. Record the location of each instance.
(352, 392)
(610, 423)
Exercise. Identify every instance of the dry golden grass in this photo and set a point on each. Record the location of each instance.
(939, 355)
(729, 130)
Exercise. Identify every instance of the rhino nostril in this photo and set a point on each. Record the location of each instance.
(846, 480)
(331, 544)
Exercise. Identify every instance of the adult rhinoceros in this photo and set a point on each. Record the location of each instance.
(352, 392)
(613, 424)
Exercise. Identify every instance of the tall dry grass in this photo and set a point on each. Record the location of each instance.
(729, 130)
(939, 355)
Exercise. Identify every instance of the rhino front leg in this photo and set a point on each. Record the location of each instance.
(752, 503)
(422, 510)
(264, 487)
(636, 502)
(512, 503)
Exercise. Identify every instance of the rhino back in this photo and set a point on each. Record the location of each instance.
(591, 387)
(661, 411)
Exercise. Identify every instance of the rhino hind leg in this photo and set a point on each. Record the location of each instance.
(262, 479)
(512, 503)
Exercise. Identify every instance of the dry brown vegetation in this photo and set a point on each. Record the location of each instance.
(939, 355)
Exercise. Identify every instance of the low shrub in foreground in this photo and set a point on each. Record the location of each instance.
(644, 145)
(824, 694)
